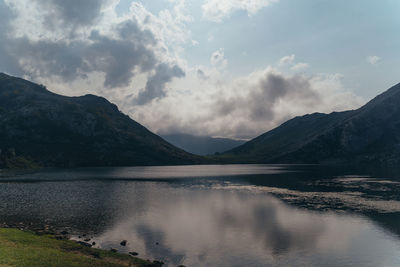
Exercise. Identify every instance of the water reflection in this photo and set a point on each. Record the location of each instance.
(153, 173)
(218, 215)
(239, 228)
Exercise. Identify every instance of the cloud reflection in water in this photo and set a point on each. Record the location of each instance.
(202, 227)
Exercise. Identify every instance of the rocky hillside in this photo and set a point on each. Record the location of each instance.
(38, 127)
(370, 134)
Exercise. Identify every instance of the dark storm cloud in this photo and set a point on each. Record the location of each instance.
(259, 103)
(118, 58)
(71, 12)
(155, 86)
(47, 58)
(128, 51)
(245, 108)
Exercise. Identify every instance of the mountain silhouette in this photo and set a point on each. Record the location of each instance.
(38, 127)
(370, 134)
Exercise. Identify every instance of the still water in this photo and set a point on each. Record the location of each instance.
(220, 215)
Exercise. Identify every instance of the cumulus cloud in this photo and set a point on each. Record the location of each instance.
(287, 60)
(117, 57)
(218, 59)
(248, 105)
(72, 40)
(270, 88)
(291, 61)
(263, 97)
(156, 83)
(373, 59)
(134, 61)
(169, 25)
(299, 66)
(217, 10)
(71, 12)
(201, 74)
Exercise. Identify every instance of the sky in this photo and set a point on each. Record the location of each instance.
(223, 68)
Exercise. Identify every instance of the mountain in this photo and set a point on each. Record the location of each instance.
(202, 145)
(370, 134)
(38, 127)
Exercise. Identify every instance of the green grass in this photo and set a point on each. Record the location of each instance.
(25, 248)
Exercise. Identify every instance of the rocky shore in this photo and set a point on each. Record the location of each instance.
(36, 239)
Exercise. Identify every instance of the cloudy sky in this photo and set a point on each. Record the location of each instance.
(228, 68)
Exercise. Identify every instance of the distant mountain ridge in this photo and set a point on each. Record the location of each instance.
(370, 134)
(202, 145)
(41, 128)
(47, 129)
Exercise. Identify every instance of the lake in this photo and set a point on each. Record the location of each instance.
(218, 215)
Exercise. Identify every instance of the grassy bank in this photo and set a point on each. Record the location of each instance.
(25, 248)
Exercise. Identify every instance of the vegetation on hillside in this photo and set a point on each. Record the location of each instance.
(51, 130)
(370, 134)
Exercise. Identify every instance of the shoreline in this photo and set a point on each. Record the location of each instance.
(21, 246)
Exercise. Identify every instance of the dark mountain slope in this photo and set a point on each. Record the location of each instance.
(202, 145)
(368, 134)
(55, 130)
